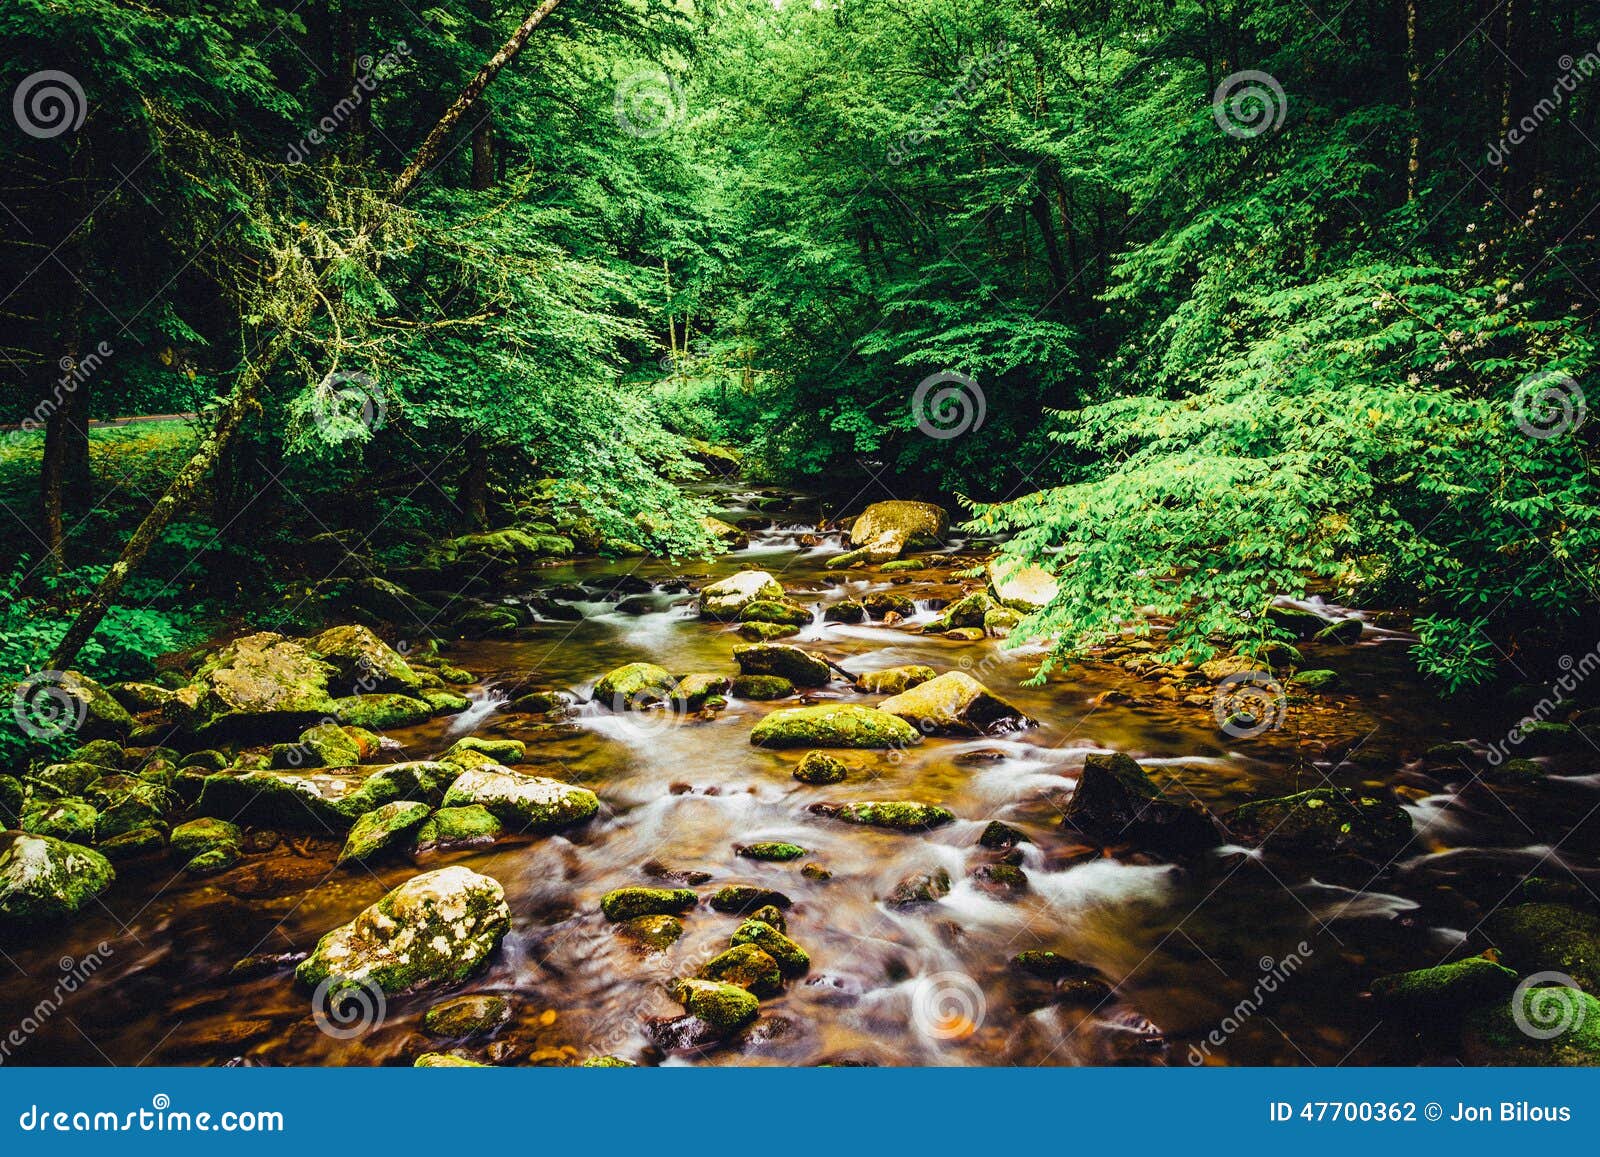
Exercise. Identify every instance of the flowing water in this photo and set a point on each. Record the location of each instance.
(1180, 947)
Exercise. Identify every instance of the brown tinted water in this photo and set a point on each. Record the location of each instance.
(1180, 947)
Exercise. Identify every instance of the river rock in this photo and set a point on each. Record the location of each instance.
(878, 604)
(1323, 823)
(1026, 589)
(725, 599)
(886, 529)
(43, 878)
(953, 704)
(845, 611)
(69, 819)
(446, 1061)
(920, 888)
(381, 829)
(436, 928)
(523, 802)
(792, 960)
(323, 801)
(967, 613)
(800, 667)
(451, 828)
(1492, 1034)
(897, 815)
(728, 537)
(696, 688)
(1444, 988)
(725, 1007)
(818, 767)
(771, 851)
(651, 933)
(743, 898)
(363, 663)
(69, 702)
(64, 779)
(462, 1017)
(634, 686)
(779, 611)
(381, 712)
(761, 688)
(207, 846)
(621, 904)
(1548, 938)
(834, 726)
(502, 751)
(326, 745)
(747, 966)
(260, 685)
(1115, 800)
(758, 632)
(894, 680)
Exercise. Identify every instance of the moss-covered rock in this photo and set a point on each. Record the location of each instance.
(759, 632)
(834, 726)
(260, 684)
(651, 933)
(1444, 988)
(502, 751)
(845, 611)
(897, 565)
(792, 960)
(446, 1061)
(626, 903)
(497, 550)
(42, 878)
(12, 795)
(696, 688)
(1548, 938)
(886, 529)
(206, 759)
(1116, 800)
(381, 712)
(451, 828)
(1001, 881)
(729, 537)
(523, 802)
(818, 767)
(206, 846)
(1021, 588)
(126, 804)
(69, 818)
(65, 703)
(462, 1017)
(382, 828)
(726, 598)
(896, 815)
(133, 845)
(761, 688)
(634, 686)
(326, 745)
(362, 662)
(1324, 823)
(744, 898)
(746, 966)
(894, 680)
(781, 611)
(725, 1007)
(1318, 679)
(63, 779)
(881, 603)
(800, 667)
(137, 698)
(107, 753)
(1493, 1036)
(953, 704)
(606, 1062)
(436, 928)
(966, 612)
(920, 888)
(999, 836)
(774, 850)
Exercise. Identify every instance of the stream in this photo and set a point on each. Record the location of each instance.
(1177, 948)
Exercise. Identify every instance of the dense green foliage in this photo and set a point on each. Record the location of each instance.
(1212, 351)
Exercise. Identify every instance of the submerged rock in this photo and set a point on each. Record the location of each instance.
(467, 1016)
(1324, 823)
(725, 599)
(436, 928)
(953, 704)
(1115, 800)
(897, 815)
(523, 802)
(801, 668)
(834, 726)
(43, 878)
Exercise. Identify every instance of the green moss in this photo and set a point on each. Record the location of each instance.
(845, 611)
(133, 845)
(207, 845)
(1492, 1035)
(626, 903)
(104, 752)
(606, 1062)
(902, 564)
(456, 827)
(1324, 822)
(773, 915)
(779, 611)
(72, 820)
(382, 828)
(800, 667)
(818, 767)
(791, 959)
(634, 685)
(696, 690)
(725, 1007)
(894, 680)
(746, 966)
(1549, 938)
(902, 816)
(1445, 987)
(503, 751)
(953, 704)
(446, 1061)
(834, 726)
(766, 632)
(651, 933)
(467, 1016)
(775, 850)
(61, 779)
(746, 898)
(761, 688)
(1320, 679)
(42, 878)
(523, 802)
(381, 712)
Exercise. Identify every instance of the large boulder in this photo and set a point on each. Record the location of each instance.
(497, 550)
(261, 685)
(726, 598)
(953, 704)
(1116, 801)
(43, 878)
(801, 668)
(633, 686)
(524, 803)
(1324, 823)
(67, 703)
(1022, 588)
(436, 928)
(834, 726)
(885, 529)
(364, 663)
(322, 800)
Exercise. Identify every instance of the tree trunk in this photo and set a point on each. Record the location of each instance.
(243, 397)
(1413, 82)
